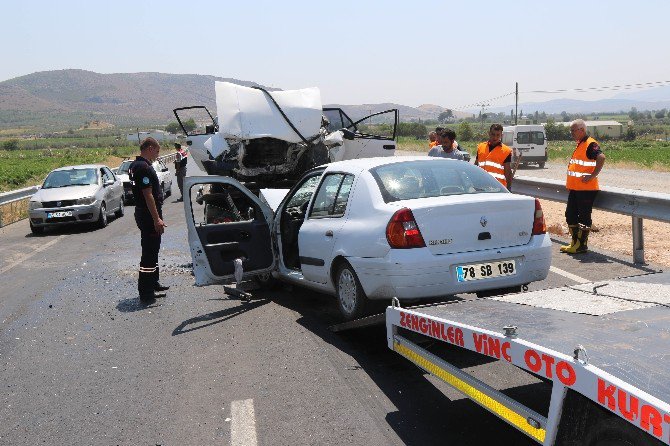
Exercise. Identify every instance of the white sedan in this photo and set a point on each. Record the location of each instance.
(375, 228)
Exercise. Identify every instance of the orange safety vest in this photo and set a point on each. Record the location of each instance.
(432, 144)
(493, 161)
(579, 166)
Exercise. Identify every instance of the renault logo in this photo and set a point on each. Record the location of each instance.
(58, 203)
(483, 221)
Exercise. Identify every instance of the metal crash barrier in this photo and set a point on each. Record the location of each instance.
(638, 204)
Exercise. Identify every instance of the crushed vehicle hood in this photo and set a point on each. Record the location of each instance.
(248, 113)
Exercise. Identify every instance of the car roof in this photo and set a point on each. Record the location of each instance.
(360, 164)
(81, 166)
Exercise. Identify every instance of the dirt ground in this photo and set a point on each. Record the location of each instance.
(615, 233)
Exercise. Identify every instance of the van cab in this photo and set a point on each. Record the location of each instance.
(529, 143)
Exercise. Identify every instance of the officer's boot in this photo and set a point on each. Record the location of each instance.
(583, 240)
(157, 285)
(145, 284)
(576, 248)
(573, 229)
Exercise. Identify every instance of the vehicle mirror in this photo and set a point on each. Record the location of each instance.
(348, 134)
(108, 182)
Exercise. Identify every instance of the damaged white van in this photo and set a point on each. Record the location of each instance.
(272, 138)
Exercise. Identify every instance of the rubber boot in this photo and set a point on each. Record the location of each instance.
(573, 229)
(583, 241)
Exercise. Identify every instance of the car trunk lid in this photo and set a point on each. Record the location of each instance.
(465, 223)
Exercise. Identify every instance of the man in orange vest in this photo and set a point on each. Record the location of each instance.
(585, 164)
(432, 138)
(495, 157)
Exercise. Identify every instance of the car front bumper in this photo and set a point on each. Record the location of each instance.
(415, 275)
(80, 214)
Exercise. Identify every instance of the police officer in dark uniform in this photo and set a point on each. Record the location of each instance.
(149, 218)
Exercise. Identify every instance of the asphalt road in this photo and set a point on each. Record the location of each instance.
(82, 362)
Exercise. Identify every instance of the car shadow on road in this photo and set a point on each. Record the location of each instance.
(424, 412)
(81, 228)
(216, 317)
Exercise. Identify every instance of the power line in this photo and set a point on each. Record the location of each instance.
(638, 86)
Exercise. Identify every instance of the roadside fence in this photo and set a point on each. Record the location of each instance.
(639, 205)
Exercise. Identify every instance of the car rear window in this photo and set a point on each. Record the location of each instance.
(410, 180)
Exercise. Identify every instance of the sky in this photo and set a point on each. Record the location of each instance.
(454, 54)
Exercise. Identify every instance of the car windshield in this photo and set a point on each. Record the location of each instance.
(71, 177)
(421, 179)
(123, 168)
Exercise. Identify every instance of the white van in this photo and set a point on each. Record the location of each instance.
(528, 141)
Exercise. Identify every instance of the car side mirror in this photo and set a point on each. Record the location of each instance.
(108, 183)
(348, 134)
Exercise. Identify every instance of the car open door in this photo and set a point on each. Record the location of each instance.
(371, 136)
(226, 222)
(199, 126)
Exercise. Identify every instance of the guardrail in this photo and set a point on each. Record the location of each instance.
(638, 204)
(14, 204)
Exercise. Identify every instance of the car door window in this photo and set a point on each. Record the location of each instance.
(105, 176)
(332, 196)
(218, 203)
(108, 174)
(303, 194)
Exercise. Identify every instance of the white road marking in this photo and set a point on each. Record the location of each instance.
(243, 424)
(30, 254)
(568, 275)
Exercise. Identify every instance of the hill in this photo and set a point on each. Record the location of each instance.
(71, 98)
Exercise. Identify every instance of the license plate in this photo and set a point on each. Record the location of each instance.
(478, 271)
(60, 214)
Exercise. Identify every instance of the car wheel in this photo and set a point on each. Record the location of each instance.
(169, 190)
(266, 281)
(121, 210)
(351, 299)
(36, 229)
(102, 219)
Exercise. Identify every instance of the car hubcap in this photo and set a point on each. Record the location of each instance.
(347, 290)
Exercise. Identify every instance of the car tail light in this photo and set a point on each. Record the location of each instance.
(539, 226)
(402, 231)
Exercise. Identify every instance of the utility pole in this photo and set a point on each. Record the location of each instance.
(483, 105)
(516, 106)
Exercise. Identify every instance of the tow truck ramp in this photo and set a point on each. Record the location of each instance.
(603, 347)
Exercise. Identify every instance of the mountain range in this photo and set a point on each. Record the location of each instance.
(73, 97)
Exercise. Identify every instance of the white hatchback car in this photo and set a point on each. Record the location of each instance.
(374, 228)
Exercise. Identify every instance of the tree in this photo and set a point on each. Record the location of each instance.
(190, 125)
(464, 131)
(660, 114)
(445, 116)
(11, 144)
(415, 129)
(633, 114)
(556, 132)
(173, 127)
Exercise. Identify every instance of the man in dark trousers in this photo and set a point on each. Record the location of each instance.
(582, 183)
(180, 168)
(149, 218)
